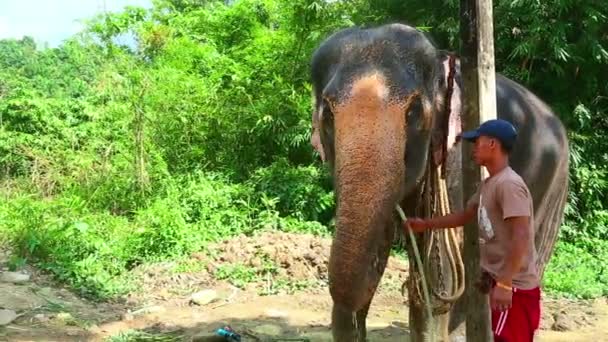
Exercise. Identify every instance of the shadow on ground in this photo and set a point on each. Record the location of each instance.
(259, 329)
(190, 324)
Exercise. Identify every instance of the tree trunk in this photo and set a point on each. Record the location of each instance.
(478, 104)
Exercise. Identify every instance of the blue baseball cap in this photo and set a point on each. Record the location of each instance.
(497, 128)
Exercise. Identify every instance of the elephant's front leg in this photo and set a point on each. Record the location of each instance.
(349, 327)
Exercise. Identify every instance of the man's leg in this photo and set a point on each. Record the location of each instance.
(519, 323)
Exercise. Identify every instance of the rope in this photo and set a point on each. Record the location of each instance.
(425, 288)
(450, 241)
(436, 185)
(436, 203)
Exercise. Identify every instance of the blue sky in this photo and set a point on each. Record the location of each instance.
(52, 21)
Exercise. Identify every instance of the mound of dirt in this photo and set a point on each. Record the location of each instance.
(296, 256)
(299, 257)
(268, 256)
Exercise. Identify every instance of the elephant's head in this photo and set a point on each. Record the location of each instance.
(379, 99)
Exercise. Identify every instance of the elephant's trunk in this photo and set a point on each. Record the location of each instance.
(369, 171)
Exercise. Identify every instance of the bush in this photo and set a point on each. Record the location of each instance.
(577, 271)
(214, 207)
(93, 250)
(160, 231)
(83, 249)
(302, 192)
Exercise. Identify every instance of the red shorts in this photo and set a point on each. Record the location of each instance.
(518, 323)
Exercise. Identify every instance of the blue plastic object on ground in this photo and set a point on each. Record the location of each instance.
(228, 334)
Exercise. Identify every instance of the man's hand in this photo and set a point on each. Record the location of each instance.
(500, 298)
(418, 225)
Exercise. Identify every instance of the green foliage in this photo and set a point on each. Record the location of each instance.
(300, 190)
(144, 336)
(85, 250)
(578, 271)
(94, 251)
(114, 155)
(161, 232)
(239, 275)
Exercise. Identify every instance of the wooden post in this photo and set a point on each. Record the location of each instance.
(479, 105)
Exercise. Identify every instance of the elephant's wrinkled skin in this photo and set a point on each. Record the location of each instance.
(378, 105)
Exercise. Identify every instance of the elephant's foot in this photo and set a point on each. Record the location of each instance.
(347, 327)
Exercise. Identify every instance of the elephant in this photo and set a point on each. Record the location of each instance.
(383, 106)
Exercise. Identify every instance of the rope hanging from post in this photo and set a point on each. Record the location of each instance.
(436, 203)
(443, 240)
(436, 184)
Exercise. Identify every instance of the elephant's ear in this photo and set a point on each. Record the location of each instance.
(315, 136)
(448, 125)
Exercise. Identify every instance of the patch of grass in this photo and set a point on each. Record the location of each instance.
(143, 336)
(237, 274)
(266, 275)
(16, 263)
(578, 271)
(188, 266)
(287, 285)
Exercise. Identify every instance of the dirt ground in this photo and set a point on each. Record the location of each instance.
(261, 305)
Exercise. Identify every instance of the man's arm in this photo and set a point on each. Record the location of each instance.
(448, 221)
(516, 202)
(516, 248)
(453, 220)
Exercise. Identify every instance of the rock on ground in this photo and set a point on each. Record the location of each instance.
(14, 277)
(7, 316)
(204, 297)
(562, 323)
(42, 318)
(18, 298)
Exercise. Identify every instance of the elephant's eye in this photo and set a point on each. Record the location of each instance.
(415, 108)
(412, 105)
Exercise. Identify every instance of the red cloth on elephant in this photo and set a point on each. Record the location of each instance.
(520, 322)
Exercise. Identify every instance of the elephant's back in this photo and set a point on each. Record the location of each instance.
(540, 155)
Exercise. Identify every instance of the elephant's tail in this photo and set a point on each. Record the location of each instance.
(549, 223)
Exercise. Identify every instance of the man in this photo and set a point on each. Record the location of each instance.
(504, 209)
